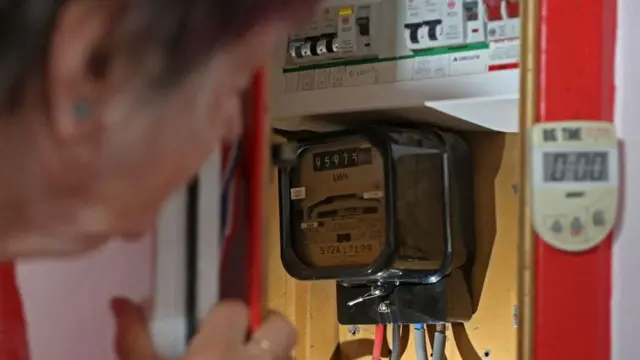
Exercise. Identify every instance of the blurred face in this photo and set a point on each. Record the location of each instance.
(94, 153)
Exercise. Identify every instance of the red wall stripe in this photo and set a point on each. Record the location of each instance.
(13, 332)
(576, 81)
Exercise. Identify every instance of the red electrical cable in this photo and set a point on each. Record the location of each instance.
(378, 342)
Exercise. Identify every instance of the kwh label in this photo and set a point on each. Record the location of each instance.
(341, 176)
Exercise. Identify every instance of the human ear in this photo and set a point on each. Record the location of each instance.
(78, 64)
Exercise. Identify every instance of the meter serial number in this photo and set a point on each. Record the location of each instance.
(345, 249)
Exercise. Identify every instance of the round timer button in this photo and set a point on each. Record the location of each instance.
(557, 227)
(598, 218)
(576, 226)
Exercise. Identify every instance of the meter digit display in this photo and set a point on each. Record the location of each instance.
(341, 159)
(576, 166)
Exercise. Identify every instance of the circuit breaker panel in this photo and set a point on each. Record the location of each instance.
(383, 30)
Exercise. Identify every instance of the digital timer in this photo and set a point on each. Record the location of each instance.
(575, 180)
(576, 166)
(387, 213)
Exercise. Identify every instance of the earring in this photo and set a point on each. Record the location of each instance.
(82, 110)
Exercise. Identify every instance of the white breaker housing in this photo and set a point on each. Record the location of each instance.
(386, 28)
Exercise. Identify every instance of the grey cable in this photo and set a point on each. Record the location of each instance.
(421, 343)
(395, 340)
(439, 341)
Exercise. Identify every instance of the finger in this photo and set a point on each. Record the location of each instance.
(275, 339)
(132, 337)
(224, 329)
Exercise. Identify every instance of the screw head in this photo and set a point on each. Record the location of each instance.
(354, 330)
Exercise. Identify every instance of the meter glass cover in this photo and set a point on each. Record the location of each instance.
(340, 220)
(420, 209)
(576, 166)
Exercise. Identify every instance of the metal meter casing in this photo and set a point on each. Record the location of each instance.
(421, 184)
(575, 182)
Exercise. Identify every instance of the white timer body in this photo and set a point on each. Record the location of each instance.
(574, 182)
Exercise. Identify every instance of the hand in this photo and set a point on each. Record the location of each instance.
(222, 336)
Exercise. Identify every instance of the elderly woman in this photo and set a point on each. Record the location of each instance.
(108, 106)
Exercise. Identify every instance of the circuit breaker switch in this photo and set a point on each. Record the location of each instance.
(475, 22)
(295, 50)
(320, 47)
(513, 8)
(472, 10)
(325, 45)
(332, 44)
(413, 35)
(364, 26)
(314, 49)
(305, 49)
(434, 29)
(493, 10)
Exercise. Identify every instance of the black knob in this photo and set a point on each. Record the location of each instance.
(432, 26)
(363, 26)
(414, 30)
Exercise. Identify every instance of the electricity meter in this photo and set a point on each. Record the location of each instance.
(387, 212)
(575, 179)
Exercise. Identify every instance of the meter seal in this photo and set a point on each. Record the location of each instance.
(575, 176)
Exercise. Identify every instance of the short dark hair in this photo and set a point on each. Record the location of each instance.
(182, 32)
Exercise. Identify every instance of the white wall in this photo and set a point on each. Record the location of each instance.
(626, 297)
(67, 302)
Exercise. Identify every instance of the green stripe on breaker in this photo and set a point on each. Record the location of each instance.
(416, 54)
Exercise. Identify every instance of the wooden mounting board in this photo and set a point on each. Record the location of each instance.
(311, 305)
